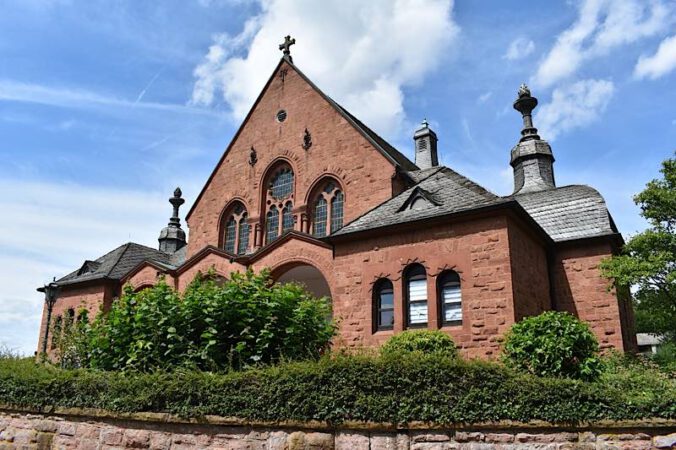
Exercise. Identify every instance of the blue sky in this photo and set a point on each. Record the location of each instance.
(105, 107)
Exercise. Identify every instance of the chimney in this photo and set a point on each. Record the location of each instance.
(425, 146)
(532, 157)
(172, 237)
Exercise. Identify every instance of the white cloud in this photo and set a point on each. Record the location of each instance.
(519, 48)
(659, 64)
(49, 229)
(601, 26)
(484, 97)
(16, 91)
(574, 106)
(360, 53)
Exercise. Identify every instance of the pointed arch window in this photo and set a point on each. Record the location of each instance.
(287, 217)
(235, 234)
(243, 233)
(450, 298)
(279, 216)
(327, 209)
(383, 305)
(272, 225)
(281, 185)
(415, 289)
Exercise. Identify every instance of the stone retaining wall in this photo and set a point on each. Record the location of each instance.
(95, 431)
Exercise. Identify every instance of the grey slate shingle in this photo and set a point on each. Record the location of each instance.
(569, 212)
(565, 213)
(117, 263)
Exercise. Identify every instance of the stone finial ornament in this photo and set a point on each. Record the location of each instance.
(307, 140)
(172, 237)
(285, 47)
(524, 91)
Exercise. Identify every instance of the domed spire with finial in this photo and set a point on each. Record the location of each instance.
(532, 157)
(172, 237)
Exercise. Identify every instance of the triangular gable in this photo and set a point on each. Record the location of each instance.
(388, 151)
(420, 199)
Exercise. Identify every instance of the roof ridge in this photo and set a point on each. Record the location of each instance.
(119, 257)
(473, 183)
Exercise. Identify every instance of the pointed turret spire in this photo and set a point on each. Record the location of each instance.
(425, 146)
(532, 157)
(172, 237)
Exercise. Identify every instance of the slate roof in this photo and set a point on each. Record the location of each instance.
(569, 212)
(115, 264)
(565, 213)
(452, 193)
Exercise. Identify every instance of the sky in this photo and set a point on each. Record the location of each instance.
(107, 106)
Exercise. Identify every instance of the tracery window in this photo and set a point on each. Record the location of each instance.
(383, 305)
(450, 298)
(272, 225)
(327, 209)
(415, 287)
(279, 217)
(235, 238)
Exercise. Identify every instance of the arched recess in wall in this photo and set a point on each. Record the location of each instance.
(278, 187)
(234, 230)
(325, 206)
(305, 273)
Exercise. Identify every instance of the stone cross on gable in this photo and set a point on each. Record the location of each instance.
(286, 45)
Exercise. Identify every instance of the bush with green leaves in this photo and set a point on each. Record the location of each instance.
(243, 321)
(554, 344)
(409, 387)
(422, 341)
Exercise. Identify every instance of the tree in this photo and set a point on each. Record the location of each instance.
(648, 260)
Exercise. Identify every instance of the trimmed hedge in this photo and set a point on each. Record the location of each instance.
(412, 387)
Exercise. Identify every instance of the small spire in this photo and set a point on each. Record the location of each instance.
(425, 123)
(525, 104)
(172, 237)
(285, 47)
(176, 201)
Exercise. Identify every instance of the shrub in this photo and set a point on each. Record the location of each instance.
(665, 357)
(243, 321)
(412, 387)
(553, 344)
(423, 341)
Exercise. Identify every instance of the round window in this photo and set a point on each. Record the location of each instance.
(281, 115)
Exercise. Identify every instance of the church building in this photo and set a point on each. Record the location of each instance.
(309, 191)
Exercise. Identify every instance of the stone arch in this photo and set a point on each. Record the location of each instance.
(305, 272)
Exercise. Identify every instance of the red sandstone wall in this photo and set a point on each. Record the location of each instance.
(295, 252)
(147, 277)
(220, 264)
(478, 250)
(581, 290)
(337, 149)
(530, 277)
(92, 298)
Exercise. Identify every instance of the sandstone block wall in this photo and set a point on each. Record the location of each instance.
(42, 432)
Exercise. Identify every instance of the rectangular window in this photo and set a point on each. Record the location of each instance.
(417, 302)
(386, 310)
(452, 304)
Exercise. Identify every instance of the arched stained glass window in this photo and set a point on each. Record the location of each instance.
(243, 243)
(416, 295)
(281, 185)
(319, 219)
(383, 305)
(287, 217)
(337, 212)
(272, 225)
(230, 234)
(450, 298)
(235, 229)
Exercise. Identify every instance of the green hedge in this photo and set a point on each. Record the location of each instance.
(394, 389)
